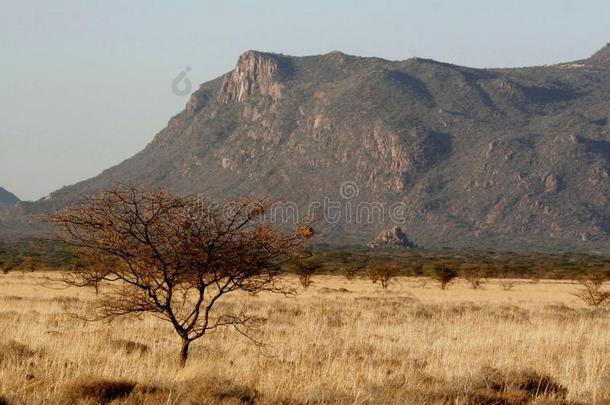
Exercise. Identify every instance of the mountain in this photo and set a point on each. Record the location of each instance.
(487, 158)
(7, 199)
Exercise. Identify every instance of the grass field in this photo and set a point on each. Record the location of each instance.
(339, 341)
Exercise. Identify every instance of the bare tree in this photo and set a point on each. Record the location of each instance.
(174, 257)
(591, 292)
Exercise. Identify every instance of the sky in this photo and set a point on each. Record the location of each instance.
(85, 85)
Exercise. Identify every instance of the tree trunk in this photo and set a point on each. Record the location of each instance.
(184, 352)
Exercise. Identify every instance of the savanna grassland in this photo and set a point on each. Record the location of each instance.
(340, 341)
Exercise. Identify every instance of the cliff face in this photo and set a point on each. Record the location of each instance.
(485, 158)
(255, 73)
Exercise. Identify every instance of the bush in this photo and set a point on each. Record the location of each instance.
(444, 274)
(203, 391)
(592, 293)
(100, 390)
(527, 383)
(304, 269)
(349, 272)
(7, 267)
(129, 346)
(382, 272)
(105, 390)
(474, 275)
(13, 351)
(507, 285)
(496, 387)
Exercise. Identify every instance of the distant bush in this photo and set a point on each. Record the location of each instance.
(492, 386)
(129, 346)
(7, 267)
(591, 292)
(507, 285)
(527, 384)
(305, 269)
(100, 390)
(444, 274)
(219, 391)
(349, 272)
(15, 352)
(382, 272)
(474, 275)
(104, 391)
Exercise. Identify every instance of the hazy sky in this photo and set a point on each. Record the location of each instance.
(86, 84)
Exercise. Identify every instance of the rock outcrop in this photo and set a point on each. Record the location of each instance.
(393, 238)
(255, 73)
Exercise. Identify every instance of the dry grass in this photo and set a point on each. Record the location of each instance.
(339, 341)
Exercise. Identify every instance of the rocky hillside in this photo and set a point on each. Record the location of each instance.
(484, 158)
(7, 199)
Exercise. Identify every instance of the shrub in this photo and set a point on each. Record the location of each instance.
(507, 285)
(496, 387)
(100, 390)
(7, 267)
(349, 272)
(444, 274)
(218, 390)
(305, 269)
(129, 346)
(591, 292)
(474, 275)
(382, 272)
(13, 351)
(528, 383)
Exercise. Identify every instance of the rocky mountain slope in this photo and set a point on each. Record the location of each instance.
(484, 158)
(7, 199)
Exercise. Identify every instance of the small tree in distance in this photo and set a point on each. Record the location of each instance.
(349, 272)
(591, 292)
(444, 274)
(304, 269)
(174, 257)
(507, 284)
(474, 275)
(383, 272)
(357, 264)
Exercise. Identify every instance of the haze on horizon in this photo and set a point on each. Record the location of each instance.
(86, 86)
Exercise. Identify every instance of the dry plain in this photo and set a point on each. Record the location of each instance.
(340, 341)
